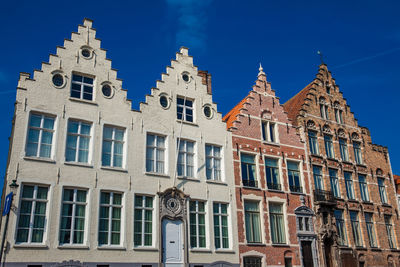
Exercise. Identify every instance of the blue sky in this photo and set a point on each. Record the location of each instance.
(360, 41)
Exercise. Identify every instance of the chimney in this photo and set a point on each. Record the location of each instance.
(206, 80)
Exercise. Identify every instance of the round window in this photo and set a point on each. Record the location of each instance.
(58, 80)
(86, 53)
(207, 111)
(106, 90)
(164, 101)
(185, 77)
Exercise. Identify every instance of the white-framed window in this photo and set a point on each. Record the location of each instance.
(277, 222)
(330, 153)
(269, 131)
(252, 261)
(248, 166)
(113, 146)
(293, 168)
(184, 109)
(143, 221)
(341, 227)
(324, 111)
(382, 190)
(82, 87)
(349, 185)
(73, 216)
(40, 135)
(272, 174)
(344, 152)
(197, 219)
(185, 158)
(78, 141)
(304, 223)
(313, 141)
(221, 227)
(334, 182)
(389, 231)
(213, 162)
(357, 152)
(31, 225)
(318, 179)
(362, 181)
(252, 221)
(339, 116)
(155, 153)
(110, 218)
(355, 225)
(369, 221)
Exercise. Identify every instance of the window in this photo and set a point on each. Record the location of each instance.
(221, 225)
(341, 227)
(329, 146)
(355, 225)
(344, 152)
(82, 87)
(113, 146)
(382, 190)
(252, 220)
(370, 229)
(155, 153)
(363, 187)
(389, 231)
(324, 111)
(269, 131)
(313, 140)
(248, 170)
(277, 223)
(72, 229)
(294, 177)
(339, 115)
(186, 158)
(349, 185)
(213, 162)
(272, 173)
(357, 153)
(252, 262)
(40, 136)
(143, 225)
(32, 214)
(197, 224)
(184, 108)
(110, 218)
(78, 141)
(303, 223)
(318, 180)
(288, 262)
(334, 183)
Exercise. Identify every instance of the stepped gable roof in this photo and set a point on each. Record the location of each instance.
(293, 105)
(230, 117)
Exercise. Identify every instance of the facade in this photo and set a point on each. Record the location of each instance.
(275, 219)
(101, 184)
(397, 183)
(354, 194)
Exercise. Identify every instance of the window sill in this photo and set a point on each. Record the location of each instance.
(386, 205)
(345, 247)
(40, 159)
(71, 163)
(333, 159)
(361, 248)
(281, 245)
(187, 123)
(27, 245)
(145, 249)
(113, 169)
(271, 143)
(221, 250)
(83, 101)
(353, 200)
(275, 190)
(376, 249)
(105, 247)
(297, 193)
(361, 165)
(367, 202)
(317, 156)
(200, 250)
(347, 162)
(256, 245)
(216, 182)
(73, 247)
(251, 188)
(157, 174)
(188, 178)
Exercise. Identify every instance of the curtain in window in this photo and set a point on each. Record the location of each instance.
(252, 219)
(277, 224)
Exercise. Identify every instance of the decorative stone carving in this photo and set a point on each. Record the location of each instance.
(355, 136)
(379, 172)
(173, 204)
(336, 105)
(326, 129)
(341, 133)
(311, 125)
(322, 100)
(266, 114)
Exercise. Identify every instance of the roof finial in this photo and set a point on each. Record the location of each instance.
(320, 57)
(261, 70)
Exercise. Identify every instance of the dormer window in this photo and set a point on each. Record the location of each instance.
(82, 87)
(184, 109)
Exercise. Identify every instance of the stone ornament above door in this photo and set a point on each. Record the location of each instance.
(173, 204)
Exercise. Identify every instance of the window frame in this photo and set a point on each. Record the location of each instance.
(82, 85)
(357, 152)
(344, 150)
(341, 227)
(143, 208)
(154, 152)
(274, 172)
(185, 109)
(329, 149)
(364, 193)
(110, 219)
(251, 227)
(382, 190)
(41, 129)
(339, 116)
(273, 221)
(214, 159)
(319, 176)
(334, 180)
(269, 131)
(292, 178)
(389, 231)
(248, 171)
(197, 214)
(355, 226)
(324, 111)
(369, 222)
(185, 163)
(113, 141)
(349, 184)
(219, 214)
(313, 142)
(79, 135)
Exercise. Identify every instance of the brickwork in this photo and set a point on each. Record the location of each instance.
(308, 110)
(245, 123)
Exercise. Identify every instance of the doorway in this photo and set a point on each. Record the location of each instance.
(173, 247)
(306, 251)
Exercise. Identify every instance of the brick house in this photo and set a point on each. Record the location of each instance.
(354, 194)
(275, 222)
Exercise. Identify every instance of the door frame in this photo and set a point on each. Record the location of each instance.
(182, 237)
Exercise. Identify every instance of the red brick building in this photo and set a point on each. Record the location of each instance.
(275, 222)
(354, 193)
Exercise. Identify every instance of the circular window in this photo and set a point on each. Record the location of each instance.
(58, 80)
(164, 101)
(207, 111)
(186, 77)
(86, 53)
(106, 90)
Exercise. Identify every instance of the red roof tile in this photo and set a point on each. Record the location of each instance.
(293, 105)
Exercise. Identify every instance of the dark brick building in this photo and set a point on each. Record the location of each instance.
(275, 222)
(354, 195)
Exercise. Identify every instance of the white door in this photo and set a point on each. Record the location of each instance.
(172, 232)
